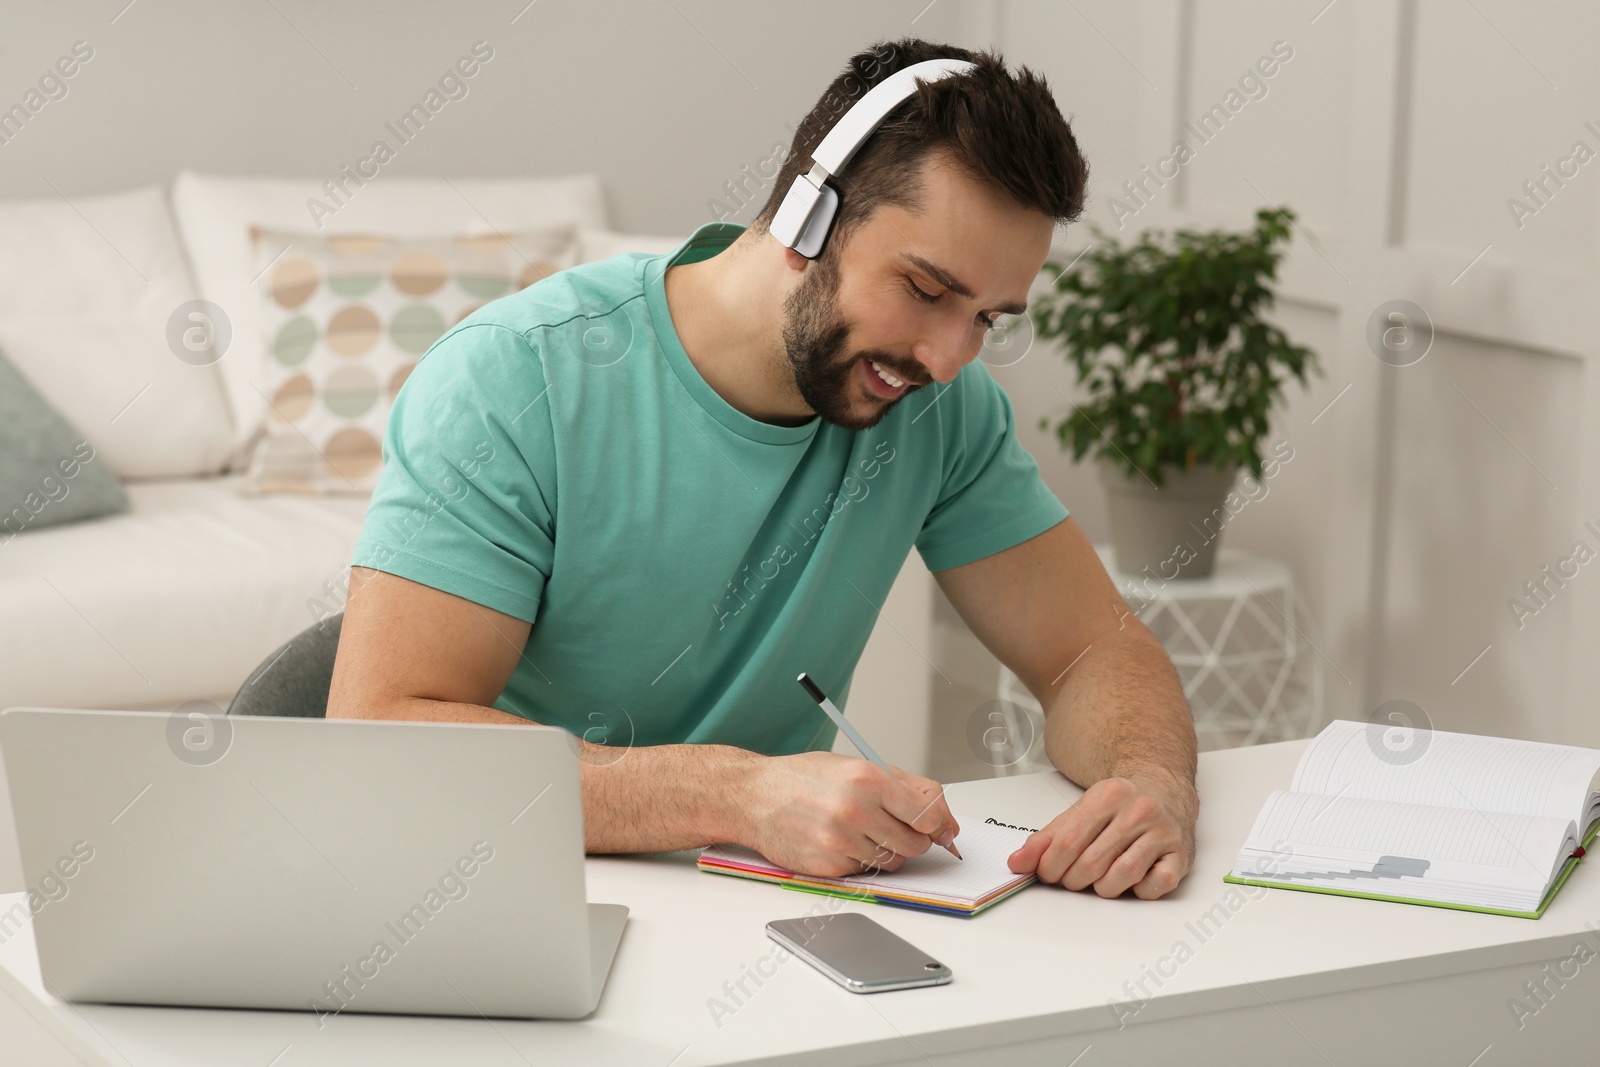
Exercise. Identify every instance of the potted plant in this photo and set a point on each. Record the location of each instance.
(1181, 371)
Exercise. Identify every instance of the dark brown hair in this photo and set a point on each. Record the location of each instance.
(1003, 129)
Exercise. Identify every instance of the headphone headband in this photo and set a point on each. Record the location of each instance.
(806, 215)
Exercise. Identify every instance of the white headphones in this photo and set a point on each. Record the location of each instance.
(806, 215)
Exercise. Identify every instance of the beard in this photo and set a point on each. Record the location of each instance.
(814, 337)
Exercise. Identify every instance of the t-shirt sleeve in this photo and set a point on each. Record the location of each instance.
(466, 499)
(992, 496)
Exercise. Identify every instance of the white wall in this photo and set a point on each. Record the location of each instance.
(667, 100)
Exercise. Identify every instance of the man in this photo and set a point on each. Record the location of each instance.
(672, 483)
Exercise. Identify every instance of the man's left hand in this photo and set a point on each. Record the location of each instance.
(1134, 832)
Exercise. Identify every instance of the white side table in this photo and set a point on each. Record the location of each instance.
(1249, 672)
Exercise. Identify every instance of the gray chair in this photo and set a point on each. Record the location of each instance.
(295, 678)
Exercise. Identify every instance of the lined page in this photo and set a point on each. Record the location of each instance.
(1311, 823)
(985, 848)
(1489, 774)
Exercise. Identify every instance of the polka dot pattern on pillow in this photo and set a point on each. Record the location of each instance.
(346, 317)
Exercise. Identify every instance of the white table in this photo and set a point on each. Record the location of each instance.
(1286, 977)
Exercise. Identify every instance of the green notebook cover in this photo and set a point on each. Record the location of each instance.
(1567, 868)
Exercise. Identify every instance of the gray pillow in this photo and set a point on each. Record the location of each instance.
(49, 472)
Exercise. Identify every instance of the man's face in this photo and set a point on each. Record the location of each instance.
(859, 304)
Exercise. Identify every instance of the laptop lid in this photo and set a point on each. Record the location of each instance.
(308, 864)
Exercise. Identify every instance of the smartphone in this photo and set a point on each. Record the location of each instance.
(857, 953)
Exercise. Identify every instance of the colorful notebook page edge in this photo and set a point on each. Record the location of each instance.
(723, 858)
(997, 898)
(1008, 894)
(775, 872)
(899, 902)
(858, 890)
(948, 901)
(732, 872)
(871, 899)
(749, 876)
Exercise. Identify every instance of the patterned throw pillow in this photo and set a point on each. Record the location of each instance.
(346, 317)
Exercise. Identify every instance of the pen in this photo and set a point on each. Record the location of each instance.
(850, 731)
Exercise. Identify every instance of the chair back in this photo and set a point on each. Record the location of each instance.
(295, 678)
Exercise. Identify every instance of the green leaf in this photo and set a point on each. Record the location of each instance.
(1166, 337)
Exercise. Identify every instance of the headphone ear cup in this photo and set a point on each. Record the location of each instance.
(818, 224)
(789, 222)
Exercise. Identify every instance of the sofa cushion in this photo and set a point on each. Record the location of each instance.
(116, 255)
(49, 473)
(178, 598)
(113, 259)
(346, 317)
(148, 413)
(215, 216)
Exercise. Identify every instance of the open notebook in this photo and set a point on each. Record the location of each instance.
(935, 880)
(1476, 823)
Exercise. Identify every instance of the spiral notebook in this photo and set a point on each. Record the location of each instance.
(934, 881)
(1460, 821)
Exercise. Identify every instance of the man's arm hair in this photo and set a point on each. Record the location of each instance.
(409, 651)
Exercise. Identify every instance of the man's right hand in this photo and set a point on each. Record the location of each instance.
(826, 814)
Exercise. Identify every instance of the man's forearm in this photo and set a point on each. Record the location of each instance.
(664, 797)
(1121, 712)
(654, 799)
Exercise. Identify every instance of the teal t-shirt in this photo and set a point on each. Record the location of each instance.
(557, 457)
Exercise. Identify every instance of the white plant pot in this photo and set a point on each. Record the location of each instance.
(1174, 530)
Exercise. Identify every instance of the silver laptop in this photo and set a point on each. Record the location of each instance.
(326, 866)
